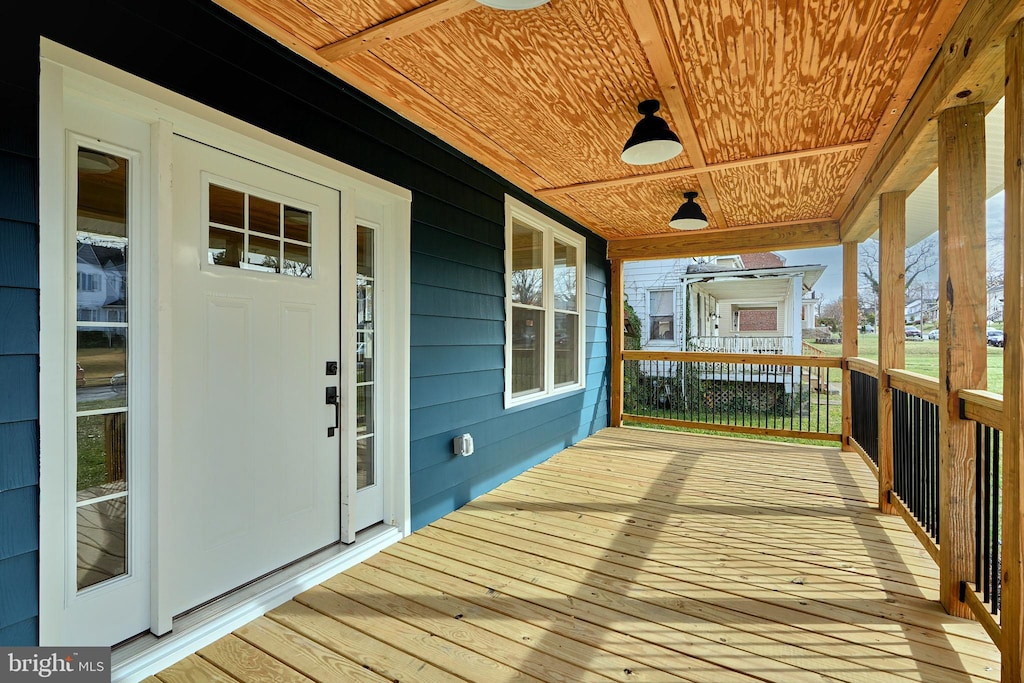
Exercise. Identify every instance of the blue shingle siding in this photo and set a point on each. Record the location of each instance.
(457, 259)
(19, 342)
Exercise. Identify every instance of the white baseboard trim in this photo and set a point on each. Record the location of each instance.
(151, 654)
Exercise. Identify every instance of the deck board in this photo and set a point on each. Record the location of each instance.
(636, 555)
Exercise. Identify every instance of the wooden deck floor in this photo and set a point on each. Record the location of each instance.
(634, 556)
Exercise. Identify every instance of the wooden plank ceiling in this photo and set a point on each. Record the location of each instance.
(782, 106)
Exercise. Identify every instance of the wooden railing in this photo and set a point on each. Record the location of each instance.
(915, 454)
(984, 598)
(916, 493)
(739, 344)
(768, 394)
(864, 409)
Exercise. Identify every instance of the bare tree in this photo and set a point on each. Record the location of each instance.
(527, 286)
(920, 259)
(831, 314)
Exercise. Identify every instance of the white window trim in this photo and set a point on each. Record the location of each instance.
(674, 341)
(515, 209)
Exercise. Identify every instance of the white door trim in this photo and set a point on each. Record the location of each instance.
(165, 112)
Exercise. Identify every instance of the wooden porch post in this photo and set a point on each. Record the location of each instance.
(892, 246)
(1013, 363)
(615, 300)
(851, 314)
(963, 350)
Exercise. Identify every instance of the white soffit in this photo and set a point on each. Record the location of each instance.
(923, 203)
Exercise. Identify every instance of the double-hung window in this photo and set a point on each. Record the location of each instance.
(662, 315)
(544, 309)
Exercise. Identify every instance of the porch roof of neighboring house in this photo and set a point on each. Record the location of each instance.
(769, 284)
(793, 117)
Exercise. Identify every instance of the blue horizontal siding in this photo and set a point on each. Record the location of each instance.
(19, 320)
(19, 465)
(437, 272)
(23, 634)
(19, 388)
(19, 336)
(451, 302)
(457, 220)
(20, 606)
(435, 242)
(435, 449)
(442, 389)
(433, 330)
(426, 361)
(19, 198)
(19, 254)
(19, 534)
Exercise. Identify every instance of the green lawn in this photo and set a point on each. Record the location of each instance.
(921, 357)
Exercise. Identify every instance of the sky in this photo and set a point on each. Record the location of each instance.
(830, 285)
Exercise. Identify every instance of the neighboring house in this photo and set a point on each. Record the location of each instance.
(922, 311)
(742, 303)
(101, 283)
(285, 404)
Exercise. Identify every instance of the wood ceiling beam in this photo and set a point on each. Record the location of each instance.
(395, 28)
(968, 68)
(645, 23)
(740, 240)
(684, 172)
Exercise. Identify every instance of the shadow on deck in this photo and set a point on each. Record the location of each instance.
(636, 555)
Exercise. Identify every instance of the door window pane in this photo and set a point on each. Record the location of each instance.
(227, 207)
(527, 350)
(364, 357)
(364, 408)
(264, 216)
(364, 304)
(265, 235)
(296, 224)
(264, 254)
(225, 247)
(101, 368)
(102, 541)
(365, 470)
(102, 455)
(101, 418)
(364, 251)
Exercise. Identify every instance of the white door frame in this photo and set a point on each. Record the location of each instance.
(363, 197)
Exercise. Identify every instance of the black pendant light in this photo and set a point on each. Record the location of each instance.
(652, 141)
(689, 216)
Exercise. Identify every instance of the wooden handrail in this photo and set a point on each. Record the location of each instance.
(916, 384)
(865, 366)
(984, 407)
(737, 358)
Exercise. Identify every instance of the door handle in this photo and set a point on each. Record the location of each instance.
(332, 399)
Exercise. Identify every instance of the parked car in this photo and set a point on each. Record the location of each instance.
(996, 338)
(867, 328)
(934, 334)
(912, 333)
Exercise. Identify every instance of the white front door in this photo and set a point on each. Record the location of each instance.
(255, 462)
